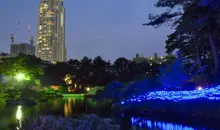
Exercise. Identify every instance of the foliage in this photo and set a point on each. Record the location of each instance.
(13, 94)
(111, 91)
(2, 103)
(174, 75)
(27, 94)
(134, 88)
(116, 90)
(84, 122)
(97, 72)
(25, 64)
(196, 25)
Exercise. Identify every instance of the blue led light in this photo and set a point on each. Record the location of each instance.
(176, 96)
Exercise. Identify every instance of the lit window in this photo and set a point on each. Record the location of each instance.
(45, 6)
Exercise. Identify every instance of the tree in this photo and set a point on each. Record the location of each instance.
(99, 70)
(28, 65)
(120, 67)
(174, 75)
(85, 71)
(199, 19)
(54, 74)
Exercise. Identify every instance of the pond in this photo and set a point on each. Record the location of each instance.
(77, 105)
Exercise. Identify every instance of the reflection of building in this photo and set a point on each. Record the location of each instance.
(155, 59)
(51, 31)
(22, 48)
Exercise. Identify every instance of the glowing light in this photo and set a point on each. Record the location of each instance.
(19, 117)
(19, 113)
(176, 96)
(199, 88)
(68, 79)
(88, 89)
(20, 76)
(70, 89)
(54, 87)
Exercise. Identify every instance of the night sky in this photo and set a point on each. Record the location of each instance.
(109, 28)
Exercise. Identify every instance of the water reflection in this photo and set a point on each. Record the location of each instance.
(156, 125)
(77, 105)
(19, 117)
(68, 107)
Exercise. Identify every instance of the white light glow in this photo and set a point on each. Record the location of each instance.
(88, 89)
(19, 113)
(199, 88)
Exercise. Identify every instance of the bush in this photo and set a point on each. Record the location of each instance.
(84, 122)
(2, 103)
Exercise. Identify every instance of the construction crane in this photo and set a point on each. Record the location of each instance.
(14, 31)
(31, 37)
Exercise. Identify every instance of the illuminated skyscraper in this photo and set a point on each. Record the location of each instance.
(51, 31)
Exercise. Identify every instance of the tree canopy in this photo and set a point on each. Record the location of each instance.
(196, 26)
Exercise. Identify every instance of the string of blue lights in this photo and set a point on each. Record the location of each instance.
(176, 96)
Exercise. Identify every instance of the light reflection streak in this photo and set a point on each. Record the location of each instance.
(68, 107)
(19, 117)
(156, 125)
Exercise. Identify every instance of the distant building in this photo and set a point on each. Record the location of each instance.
(22, 48)
(154, 59)
(139, 58)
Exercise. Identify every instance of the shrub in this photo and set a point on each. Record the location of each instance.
(84, 122)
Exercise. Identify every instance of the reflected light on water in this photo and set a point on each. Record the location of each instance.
(68, 107)
(19, 117)
(156, 125)
(19, 113)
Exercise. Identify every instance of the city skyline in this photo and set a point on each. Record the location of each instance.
(110, 29)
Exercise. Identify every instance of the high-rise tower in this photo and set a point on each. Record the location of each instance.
(51, 31)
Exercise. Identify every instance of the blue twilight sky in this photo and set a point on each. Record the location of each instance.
(110, 28)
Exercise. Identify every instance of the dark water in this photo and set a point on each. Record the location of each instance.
(78, 105)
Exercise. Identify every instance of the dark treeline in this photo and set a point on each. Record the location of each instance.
(98, 72)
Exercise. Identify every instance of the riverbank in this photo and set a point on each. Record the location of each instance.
(27, 97)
